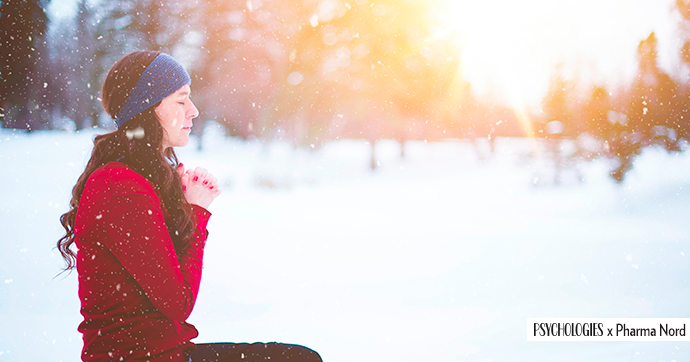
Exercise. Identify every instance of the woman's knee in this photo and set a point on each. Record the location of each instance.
(295, 352)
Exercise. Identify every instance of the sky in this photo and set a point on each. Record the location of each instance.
(513, 47)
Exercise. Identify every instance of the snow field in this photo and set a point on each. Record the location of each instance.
(440, 256)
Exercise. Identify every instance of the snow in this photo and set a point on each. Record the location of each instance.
(441, 256)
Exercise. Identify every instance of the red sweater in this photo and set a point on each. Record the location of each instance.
(135, 293)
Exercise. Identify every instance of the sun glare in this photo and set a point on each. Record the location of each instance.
(510, 49)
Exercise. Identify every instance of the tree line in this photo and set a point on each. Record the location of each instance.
(316, 70)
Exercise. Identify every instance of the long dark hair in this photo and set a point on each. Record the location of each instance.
(141, 151)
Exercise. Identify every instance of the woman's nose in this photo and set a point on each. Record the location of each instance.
(193, 112)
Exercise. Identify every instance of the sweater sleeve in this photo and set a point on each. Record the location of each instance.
(139, 239)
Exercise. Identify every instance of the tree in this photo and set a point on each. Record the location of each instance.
(368, 70)
(652, 116)
(84, 48)
(215, 61)
(557, 107)
(597, 114)
(241, 62)
(560, 122)
(682, 106)
(23, 25)
(87, 68)
(149, 24)
(653, 94)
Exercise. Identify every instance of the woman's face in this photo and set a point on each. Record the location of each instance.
(175, 114)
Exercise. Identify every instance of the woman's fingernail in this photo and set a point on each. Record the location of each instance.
(205, 182)
(184, 188)
(196, 178)
(211, 187)
(180, 165)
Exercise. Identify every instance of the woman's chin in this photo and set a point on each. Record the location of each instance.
(183, 141)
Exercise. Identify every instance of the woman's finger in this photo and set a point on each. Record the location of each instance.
(185, 181)
(209, 180)
(199, 174)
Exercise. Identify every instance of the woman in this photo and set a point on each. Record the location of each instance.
(138, 220)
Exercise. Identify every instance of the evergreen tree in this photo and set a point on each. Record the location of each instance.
(597, 114)
(651, 115)
(23, 25)
(681, 116)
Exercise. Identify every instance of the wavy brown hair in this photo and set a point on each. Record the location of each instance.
(144, 154)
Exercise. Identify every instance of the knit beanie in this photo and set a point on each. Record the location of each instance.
(163, 77)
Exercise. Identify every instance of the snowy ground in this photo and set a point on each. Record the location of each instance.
(440, 256)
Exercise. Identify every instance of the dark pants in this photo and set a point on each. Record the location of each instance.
(245, 352)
